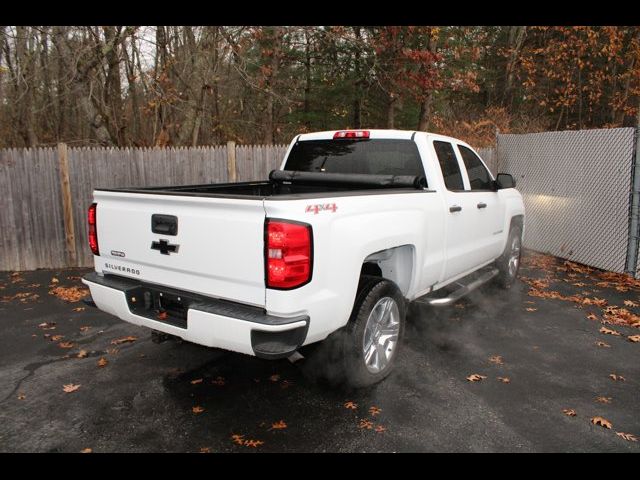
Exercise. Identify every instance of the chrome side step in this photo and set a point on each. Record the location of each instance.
(459, 293)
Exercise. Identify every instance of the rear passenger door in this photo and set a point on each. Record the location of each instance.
(460, 214)
(488, 218)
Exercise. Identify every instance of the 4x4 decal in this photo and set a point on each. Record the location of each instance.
(332, 207)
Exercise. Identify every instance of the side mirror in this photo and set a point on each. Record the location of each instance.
(504, 180)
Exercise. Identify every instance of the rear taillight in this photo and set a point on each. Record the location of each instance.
(93, 228)
(351, 134)
(288, 253)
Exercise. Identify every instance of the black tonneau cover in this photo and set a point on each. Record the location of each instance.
(300, 177)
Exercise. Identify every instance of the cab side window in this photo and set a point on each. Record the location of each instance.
(449, 165)
(479, 177)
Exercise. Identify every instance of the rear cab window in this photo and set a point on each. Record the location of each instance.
(449, 165)
(369, 157)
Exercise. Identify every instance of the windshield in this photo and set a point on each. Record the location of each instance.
(373, 157)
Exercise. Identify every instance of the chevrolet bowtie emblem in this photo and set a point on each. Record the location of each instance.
(165, 247)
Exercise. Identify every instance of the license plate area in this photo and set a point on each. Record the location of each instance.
(160, 305)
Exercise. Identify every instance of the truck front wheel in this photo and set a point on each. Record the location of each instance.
(509, 262)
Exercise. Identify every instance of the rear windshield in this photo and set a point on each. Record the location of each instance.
(373, 157)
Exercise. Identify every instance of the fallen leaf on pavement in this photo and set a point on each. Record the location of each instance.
(57, 338)
(275, 377)
(280, 425)
(253, 443)
(84, 328)
(70, 388)
(351, 405)
(603, 399)
(617, 378)
(603, 422)
(569, 412)
(592, 316)
(366, 424)
(79, 309)
(497, 359)
(475, 377)
(608, 331)
(634, 338)
(504, 379)
(594, 301)
(197, 409)
(82, 354)
(631, 303)
(66, 344)
(21, 396)
(603, 344)
(86, 450)
(70, 294)
(620, 316)
(531, 309)
(119, 341)
(373, 411)
(196, 381)
(55, 280)
(627, 436)
(102, 362)
(380, 429)
(205, 450)
(239, 439)
(23, 297)
(47, 325)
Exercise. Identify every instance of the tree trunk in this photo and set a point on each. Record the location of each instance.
(25, 85)
(357, 99)
(425, 112)
(276, 47)
(307, 80)
(427, 97)
(113, 86)
(516, 40)
(391, 110)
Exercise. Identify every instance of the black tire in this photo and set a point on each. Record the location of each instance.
(507, 273)
(340, 358)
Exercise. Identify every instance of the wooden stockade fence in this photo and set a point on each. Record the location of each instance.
(45, 192)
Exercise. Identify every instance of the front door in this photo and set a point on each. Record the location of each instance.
(488, 221)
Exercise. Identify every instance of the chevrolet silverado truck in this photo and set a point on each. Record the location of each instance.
(331, 248)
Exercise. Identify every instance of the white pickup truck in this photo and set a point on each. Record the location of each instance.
(332, 247)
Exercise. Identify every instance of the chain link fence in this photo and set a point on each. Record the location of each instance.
(577, 189)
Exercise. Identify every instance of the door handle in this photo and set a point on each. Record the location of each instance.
(455, 208)
(482, 205)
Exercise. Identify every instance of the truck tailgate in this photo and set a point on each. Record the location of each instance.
(218, 249)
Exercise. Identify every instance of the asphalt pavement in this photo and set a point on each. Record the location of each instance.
(534, 357)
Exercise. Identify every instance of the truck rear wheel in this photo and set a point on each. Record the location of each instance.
(364, 351)
(508, 263)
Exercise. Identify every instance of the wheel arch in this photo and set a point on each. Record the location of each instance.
(395, 263)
